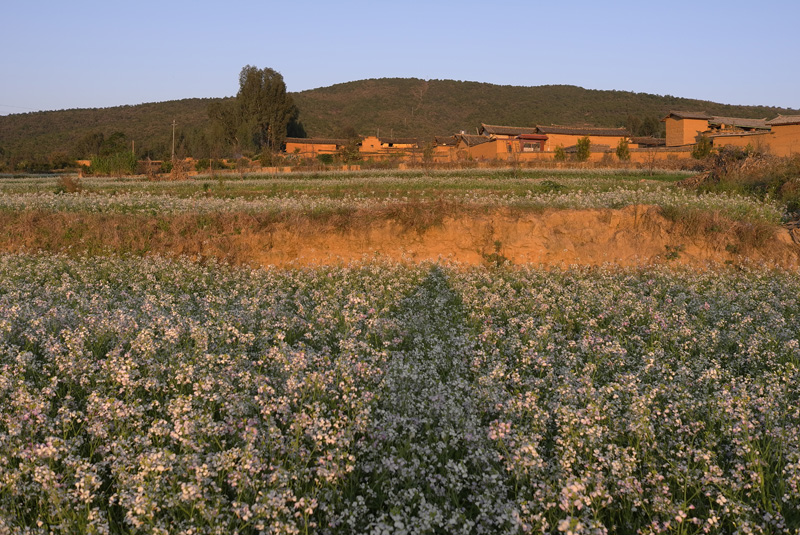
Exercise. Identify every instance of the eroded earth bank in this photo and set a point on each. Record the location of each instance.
(628, 236)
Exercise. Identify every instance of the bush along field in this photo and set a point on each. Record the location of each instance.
(141, 395)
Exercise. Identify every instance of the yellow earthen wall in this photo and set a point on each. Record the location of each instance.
(759, 142)
(370, 144)
(781, 141)
(659, 155)
(785, 140)
(564, 140)
(310, 149)
(684, 131)
(444, 153)
(490, 150)
(496, 151)
(397, 146)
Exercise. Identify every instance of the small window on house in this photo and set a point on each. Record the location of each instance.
(531, 147)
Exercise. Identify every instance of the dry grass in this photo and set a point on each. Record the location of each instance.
(229, 236)
(68, 184)
(740, 236)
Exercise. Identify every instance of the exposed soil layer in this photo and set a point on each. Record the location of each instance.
(628, 236)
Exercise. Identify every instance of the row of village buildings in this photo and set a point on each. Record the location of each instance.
(779, 136)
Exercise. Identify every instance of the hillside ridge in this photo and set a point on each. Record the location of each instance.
(408, 107)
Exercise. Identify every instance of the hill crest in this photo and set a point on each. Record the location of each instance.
(402, 107)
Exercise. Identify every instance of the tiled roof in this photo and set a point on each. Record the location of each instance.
(445, 140)
(316, 141)
(494, 130)
(649, 141)
(740, 133)
(738, 122)
(399, 140)
(532, 137)
(782, 120)
(687, 115)
(582, 131)
(471, 140)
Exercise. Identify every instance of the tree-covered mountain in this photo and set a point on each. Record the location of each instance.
(412, 107)
(52, 135)
(399, 107)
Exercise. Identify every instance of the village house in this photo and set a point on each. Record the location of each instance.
(380, 148)
(510, 140)
(736, 124)
(313, 146)
(685, 127)
(505, 132)
(444, 149)
(568, 136)
(528, 143)
(779, 136)
(758, 140)
(466, 147)
(547, 138)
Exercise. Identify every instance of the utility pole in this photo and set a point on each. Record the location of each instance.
(173, 140)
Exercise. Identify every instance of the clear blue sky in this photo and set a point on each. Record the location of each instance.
(81, 54)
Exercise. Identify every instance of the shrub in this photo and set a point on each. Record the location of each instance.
(117, 164)
(703, 148)
(584, 149)
(350, 152)
(266, 159)
(68, 184)
(623, 151)
(559, 154)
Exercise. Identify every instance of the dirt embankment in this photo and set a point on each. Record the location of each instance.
(628, 236)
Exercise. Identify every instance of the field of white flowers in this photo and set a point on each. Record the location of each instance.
(733, 206)
(141, 395)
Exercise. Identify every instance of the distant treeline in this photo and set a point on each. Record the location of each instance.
(392, 107)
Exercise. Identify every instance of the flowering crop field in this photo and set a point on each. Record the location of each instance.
(326, 193)
(144, 395)
(733, 206)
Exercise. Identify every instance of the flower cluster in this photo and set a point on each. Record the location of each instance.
(158, 396)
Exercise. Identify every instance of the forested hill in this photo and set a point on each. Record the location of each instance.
(412, 107)
(391, 106)
(149, 126)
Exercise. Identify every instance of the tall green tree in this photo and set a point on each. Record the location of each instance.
(224, 115)
(260, 115)
(265, 108)
(650, 125)
(114, 144)
(89, 145)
